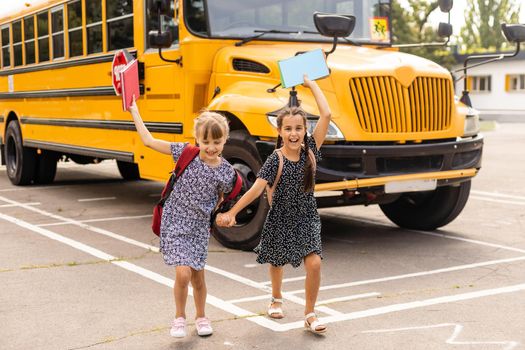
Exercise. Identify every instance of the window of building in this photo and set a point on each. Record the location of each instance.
(17, 43)
(74, 22)
(119, 18)
(516, 82)
(481, 83)
(57, 31)
(42, 20)
(29, 39)
(94, 25)
(6, 47)
(166, 23)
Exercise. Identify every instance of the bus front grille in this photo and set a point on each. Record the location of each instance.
(383, 105)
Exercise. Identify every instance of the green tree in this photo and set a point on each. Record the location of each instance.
(482, 29)
(410, 26)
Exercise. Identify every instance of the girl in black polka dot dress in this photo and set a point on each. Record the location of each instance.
(292, 230)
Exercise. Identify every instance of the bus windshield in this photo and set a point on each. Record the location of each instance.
(244, 18)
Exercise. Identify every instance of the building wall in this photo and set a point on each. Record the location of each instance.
(497, 104)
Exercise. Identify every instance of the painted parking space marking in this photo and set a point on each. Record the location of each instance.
(503, 201)
(96, 199)
(452, 340)
(115, 218)
(17, 205)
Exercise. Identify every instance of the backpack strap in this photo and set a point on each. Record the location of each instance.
(186, 157)
(189, 152)
(237, 186)
(271, 190)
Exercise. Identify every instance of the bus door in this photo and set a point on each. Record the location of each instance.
(162, 105)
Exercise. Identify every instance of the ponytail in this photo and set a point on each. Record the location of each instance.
(279, 142)
(308, 184)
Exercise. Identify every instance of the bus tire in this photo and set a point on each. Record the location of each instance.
(46, 167)
(428, 210)
(128, 171)
(241, 152)
(20, 160)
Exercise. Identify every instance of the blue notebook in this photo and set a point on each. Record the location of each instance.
(312, 63)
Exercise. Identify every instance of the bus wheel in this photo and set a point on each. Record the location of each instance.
(46, 167)
(20, 160)
(428, 210)
(129, 171)
(242, 153)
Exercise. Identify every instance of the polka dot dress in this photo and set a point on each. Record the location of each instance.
(292, 229)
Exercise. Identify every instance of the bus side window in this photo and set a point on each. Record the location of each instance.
(74, 23)
(17, 43)
(166, 23)
(43, 36)
(57, 32)
(94, 25)
(196, 18)
(119, 18)
(6, 47)
(29, 39)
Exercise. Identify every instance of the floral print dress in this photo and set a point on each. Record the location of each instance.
(185, 223)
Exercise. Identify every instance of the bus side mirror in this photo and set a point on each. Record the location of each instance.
(334, 26)
(161, 40)
(514, 32)
(445, 5)
(161, 6)
(444, 30)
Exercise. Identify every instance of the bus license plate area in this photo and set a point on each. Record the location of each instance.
(410, 186)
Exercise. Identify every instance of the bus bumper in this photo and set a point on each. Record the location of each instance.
(371, 162)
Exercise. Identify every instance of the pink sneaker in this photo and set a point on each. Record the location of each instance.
(203, 325)
(178, 328)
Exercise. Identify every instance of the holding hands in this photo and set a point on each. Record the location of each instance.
(225, 220)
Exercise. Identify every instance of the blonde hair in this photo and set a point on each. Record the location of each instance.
(211, 124)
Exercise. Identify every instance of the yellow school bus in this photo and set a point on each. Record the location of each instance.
(398, 137)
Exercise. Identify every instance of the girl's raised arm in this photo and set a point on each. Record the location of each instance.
(321, 128)
(228, 218)
(147, 139)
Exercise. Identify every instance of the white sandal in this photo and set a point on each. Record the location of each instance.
(275, 312)
(313, 327)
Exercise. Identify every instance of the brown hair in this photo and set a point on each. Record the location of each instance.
(309, 181)
(211, 124)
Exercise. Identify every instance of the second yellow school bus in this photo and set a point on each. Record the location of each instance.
(398, 137)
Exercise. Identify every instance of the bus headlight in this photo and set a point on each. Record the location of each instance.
(333, 133)
(472, 125)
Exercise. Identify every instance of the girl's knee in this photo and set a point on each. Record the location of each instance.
(197, 279)
(182, 275)
(313, 262)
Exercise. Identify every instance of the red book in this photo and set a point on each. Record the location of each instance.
(129, 77)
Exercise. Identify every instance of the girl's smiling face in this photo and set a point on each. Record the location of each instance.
(292, 132)
(211, 149)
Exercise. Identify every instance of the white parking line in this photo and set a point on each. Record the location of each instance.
(452, 339)
(496, 194)
(17, 205)
(291, 279)
(96, 199)
(348, 298)
(503, 201)
(98, 220)
(412, 305)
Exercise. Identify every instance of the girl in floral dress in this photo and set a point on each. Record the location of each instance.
(185, 223)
